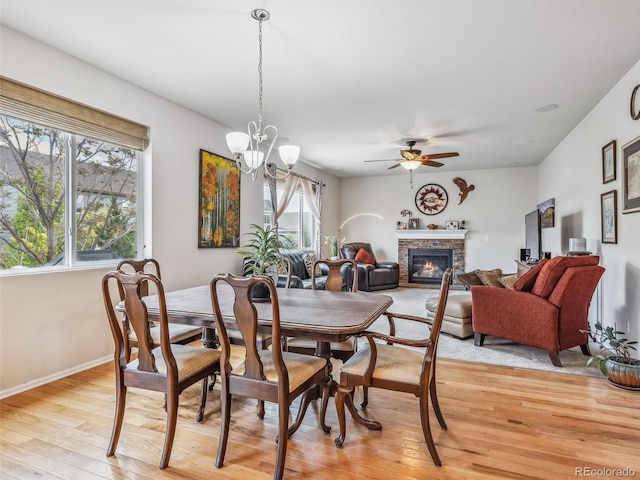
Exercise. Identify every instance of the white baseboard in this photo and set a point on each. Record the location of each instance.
(56, 376)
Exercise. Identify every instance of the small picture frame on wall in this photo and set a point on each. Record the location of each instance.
(414, 223)
(631, 176)
(452, 225)
(609, 162)
(609, 210)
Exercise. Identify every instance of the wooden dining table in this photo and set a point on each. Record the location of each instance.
(318, 314)
(321, 315)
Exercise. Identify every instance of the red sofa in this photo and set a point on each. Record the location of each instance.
(547, 307)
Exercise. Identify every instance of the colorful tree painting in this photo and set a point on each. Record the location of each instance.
(219, 209)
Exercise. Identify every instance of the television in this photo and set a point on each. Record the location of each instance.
(533, 241)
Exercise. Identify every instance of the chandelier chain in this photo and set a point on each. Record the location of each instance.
(260, 77)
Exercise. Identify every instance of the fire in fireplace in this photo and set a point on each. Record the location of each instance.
(427, 265)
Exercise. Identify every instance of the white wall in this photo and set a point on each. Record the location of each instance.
(572, 174)
(54, 324)
(494, 211)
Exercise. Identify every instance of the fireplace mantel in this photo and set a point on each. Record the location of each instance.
(437, 234)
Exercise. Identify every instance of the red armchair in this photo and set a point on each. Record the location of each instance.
(547, 307)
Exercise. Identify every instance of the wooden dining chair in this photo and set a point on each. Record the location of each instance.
(267, 375)
(391, 367)
(334, 282)
(167, 368)
(181, 334)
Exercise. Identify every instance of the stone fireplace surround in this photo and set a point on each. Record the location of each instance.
(440, 238)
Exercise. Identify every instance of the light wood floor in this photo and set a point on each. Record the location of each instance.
(503, 423)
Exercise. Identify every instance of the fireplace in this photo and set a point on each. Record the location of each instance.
(427, 265)
(438, 239)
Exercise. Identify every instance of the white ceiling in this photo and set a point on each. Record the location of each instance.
(350, 81)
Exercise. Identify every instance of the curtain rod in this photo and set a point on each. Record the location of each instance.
(317, 182)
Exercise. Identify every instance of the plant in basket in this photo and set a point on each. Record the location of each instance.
(614, 358)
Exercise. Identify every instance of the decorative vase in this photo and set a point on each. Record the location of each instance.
(624, 375)
(333, 246)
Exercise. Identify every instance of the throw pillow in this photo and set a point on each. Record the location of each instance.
(528, 279)
(283, 268)
(470, 279)
(490, 277)
(309, 260)
(365, 257)
(508, 280)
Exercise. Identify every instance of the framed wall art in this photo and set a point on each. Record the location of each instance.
(414, 224)
(219, 202)
(609, 162)
(547, 210)
(609, 211)
(631, 176)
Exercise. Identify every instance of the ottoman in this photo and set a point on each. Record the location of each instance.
(457, 314)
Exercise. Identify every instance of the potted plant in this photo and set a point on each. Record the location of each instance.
(614, 358)
(261, 255)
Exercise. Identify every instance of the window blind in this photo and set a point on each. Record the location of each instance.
(33, 105)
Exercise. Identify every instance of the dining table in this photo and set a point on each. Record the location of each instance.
(321, 315)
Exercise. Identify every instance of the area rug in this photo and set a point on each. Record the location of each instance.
(495, 351)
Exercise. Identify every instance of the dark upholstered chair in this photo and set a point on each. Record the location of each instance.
(547, 308)
(182, 334)
(268, 375)
(396, 368)
(167, 368)
(372, 275)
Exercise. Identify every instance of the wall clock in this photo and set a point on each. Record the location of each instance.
(431, 199)
(635, 103)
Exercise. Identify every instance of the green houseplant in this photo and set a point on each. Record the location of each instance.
(261, 255)
(614, 358)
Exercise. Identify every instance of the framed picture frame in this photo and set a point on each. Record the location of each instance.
(547, 212)
(609, 162)
(609, 211)
(631, 176)
(414, 223)
(218, 202)
(452, 225)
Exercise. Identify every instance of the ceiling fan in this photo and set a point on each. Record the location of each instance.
(412, 159)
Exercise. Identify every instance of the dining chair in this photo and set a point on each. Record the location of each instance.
(182, 334)
(267, 375)
(334, 282)
(167, 368)
(391, 367)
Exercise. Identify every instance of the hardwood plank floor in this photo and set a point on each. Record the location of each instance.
(503, 424)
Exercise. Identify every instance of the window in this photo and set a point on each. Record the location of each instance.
(296, 225)
(65, 198)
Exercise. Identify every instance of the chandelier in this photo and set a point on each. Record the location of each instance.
(251, 146)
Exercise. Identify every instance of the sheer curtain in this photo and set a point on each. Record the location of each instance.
(312, 197)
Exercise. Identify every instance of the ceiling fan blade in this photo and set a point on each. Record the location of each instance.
(394, 166)
(432, 163)
(440, 155)
(384, 160)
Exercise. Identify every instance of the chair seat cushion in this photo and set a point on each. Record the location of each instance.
(392, 363)
(299, 366)
(188, 359)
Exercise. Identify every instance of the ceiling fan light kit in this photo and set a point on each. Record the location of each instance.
(251, 146)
